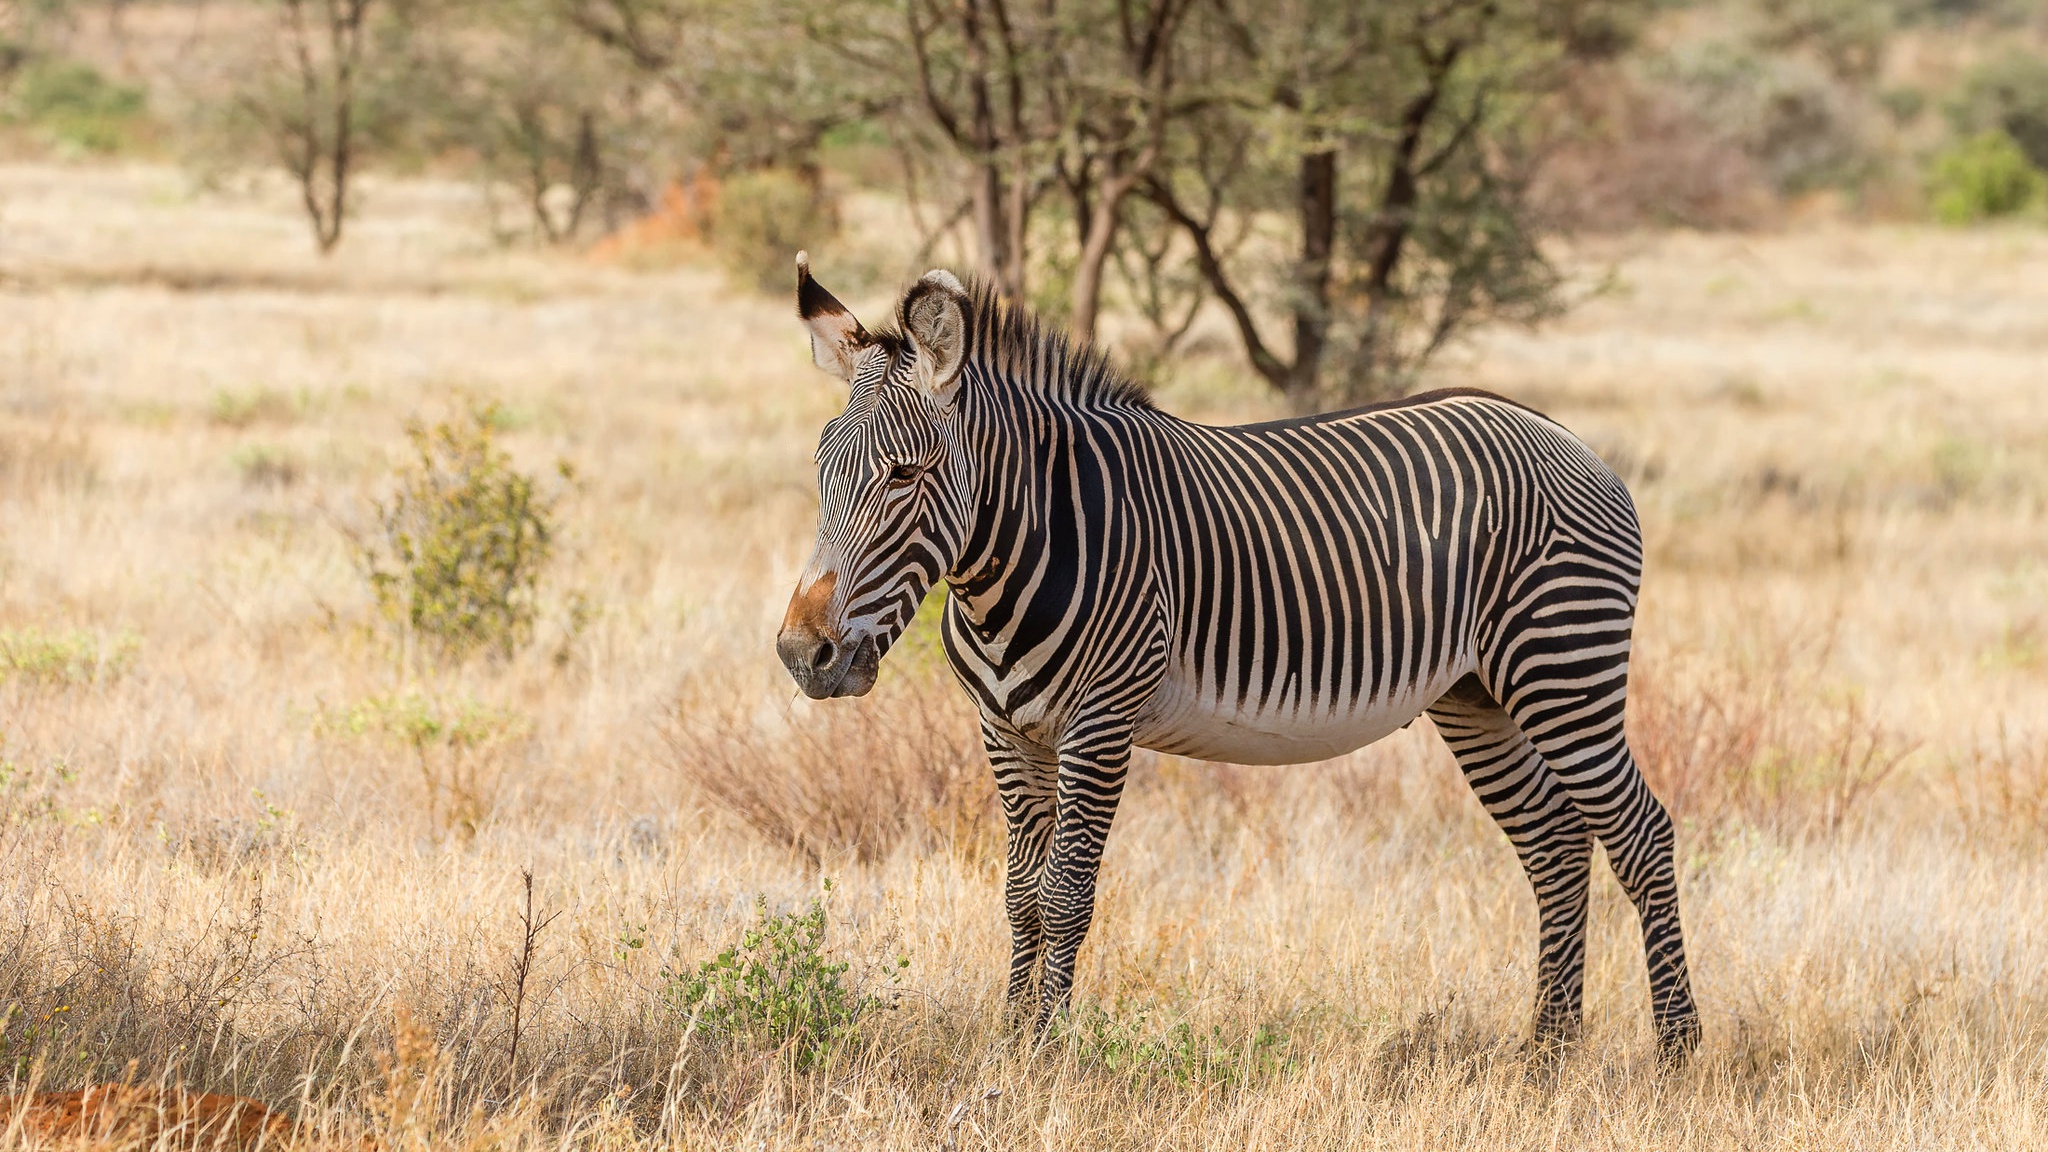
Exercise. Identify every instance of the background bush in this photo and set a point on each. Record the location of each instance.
(1982, 178)
(2009, 94)
(76, 106)
(462, 541)
(764, 219)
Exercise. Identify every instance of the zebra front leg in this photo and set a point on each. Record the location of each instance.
(1025, 783)
(1091, 781)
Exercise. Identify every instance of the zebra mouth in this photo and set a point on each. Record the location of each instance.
(858, 677)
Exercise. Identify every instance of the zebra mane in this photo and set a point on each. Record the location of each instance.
(1014, 343)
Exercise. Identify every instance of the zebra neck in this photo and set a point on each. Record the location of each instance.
(1054, 479)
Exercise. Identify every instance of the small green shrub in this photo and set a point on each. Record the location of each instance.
(764, 218)
(1983, 178)
(59, 659)
(78, 106)
(462, 542)
(775, 987)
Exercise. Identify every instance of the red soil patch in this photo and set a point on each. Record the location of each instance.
(677, 225)
(115, 1113)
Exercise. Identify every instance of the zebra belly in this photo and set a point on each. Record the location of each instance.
(1183, 720)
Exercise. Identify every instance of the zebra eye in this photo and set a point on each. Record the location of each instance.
(903, 474)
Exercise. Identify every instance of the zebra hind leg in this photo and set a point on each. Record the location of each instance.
(1575, 721)
(1530, 804)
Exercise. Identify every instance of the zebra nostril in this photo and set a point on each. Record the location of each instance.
(823, 657)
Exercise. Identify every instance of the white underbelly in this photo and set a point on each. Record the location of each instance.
(1179, 720)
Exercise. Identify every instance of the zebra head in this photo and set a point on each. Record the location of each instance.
(894, 489)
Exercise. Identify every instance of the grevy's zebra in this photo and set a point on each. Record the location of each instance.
(1272, 593)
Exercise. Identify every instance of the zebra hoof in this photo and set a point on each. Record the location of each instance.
(1052, 1015)
(1676, 1042)
(1548, 1045)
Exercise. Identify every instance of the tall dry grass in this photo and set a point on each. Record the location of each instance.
(256, 855)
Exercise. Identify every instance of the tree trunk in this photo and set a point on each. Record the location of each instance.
(1393, 220)
(1105, 217)
(1317, 203)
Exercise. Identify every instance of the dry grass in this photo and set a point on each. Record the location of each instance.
(232, 863)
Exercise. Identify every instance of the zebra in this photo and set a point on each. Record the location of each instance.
(1265, 593)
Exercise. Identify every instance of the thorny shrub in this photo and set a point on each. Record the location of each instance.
(87, 994)
(843, 777)
(1759, 740)
(2000, 788)
(462, 541)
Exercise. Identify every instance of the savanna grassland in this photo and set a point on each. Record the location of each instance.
(245, 847)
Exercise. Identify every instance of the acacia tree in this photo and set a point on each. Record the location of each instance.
(542, 108)
(1074, 97)
(1395, 141)
(306, 104)
(745, 86)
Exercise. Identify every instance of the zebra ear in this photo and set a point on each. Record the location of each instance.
(837, 339)
(934, 313)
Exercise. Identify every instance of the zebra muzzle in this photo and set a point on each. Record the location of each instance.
(823, 667)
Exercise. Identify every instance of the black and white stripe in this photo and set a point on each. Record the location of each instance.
(1271, 593)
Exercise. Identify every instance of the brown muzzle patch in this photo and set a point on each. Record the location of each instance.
(809, 608)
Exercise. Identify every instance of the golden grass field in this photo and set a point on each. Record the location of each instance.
(237, 853)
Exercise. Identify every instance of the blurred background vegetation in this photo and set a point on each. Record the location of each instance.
(1348, 188)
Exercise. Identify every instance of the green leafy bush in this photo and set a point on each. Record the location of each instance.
(776, 987)
(462, 542)
(764, 219)
(1982, 178)
(77, 105)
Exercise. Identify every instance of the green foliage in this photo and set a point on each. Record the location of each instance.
(1849, 36)
(1178, 1053)
(77, 106)
(59, 659)
(1982, 178)
(776, 987)
(764, 219)
(462, 542)
(2009, 94)
(921, 650)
